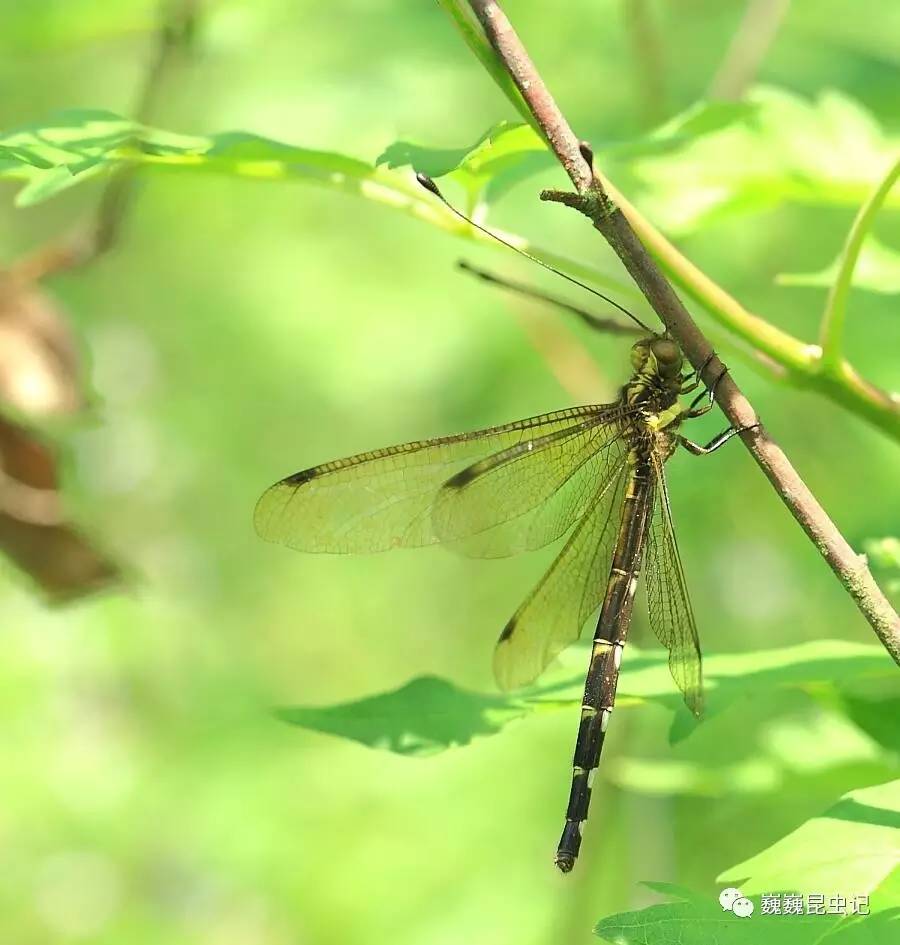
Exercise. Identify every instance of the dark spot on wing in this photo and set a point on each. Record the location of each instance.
(299, 478)
(463, 477)
(507, 631)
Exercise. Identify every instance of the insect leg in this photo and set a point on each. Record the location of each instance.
(692, 378)
(715, 442)
(696, 411)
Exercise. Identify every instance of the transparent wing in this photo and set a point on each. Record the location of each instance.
(668, 603)
(383, 499)
(516, 500)
(572, 589)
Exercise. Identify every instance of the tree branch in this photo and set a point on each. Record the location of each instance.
(592, 200)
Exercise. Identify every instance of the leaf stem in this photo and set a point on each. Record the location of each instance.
(831, 334)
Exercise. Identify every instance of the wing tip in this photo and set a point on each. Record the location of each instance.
(265, 515)
(507, 631)
(502, 670)
(509, 674)
(262, 516)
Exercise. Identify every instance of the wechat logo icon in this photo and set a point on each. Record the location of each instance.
(733, 900)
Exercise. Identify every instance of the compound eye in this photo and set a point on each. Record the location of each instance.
(668, 356)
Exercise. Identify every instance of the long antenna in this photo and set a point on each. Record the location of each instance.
(608, 325)
(432, 187)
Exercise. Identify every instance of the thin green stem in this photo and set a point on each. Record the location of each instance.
(777, 345)
(831, 334)
(474, 38)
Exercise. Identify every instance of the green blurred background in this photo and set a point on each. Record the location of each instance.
(243, 330)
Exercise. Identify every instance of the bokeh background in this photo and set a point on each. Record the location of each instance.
(242, 330)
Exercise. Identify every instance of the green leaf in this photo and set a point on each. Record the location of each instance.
(877, 270)
(852, 848)
(826, 152)
(878, 718)
(699, 920)
(506, 153)
(503, 138)
(78, 139)
(788, 750)
(808, 666)
(881, 928)
(509, 152)
(428, 714)
(77, 145)
(700, 119)
(47, 184)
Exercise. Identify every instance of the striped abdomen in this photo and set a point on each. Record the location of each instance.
(606, 655)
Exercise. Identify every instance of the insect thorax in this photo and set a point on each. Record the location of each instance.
(652, 426)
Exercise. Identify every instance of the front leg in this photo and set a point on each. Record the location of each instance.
(709, 394)
(691, 381)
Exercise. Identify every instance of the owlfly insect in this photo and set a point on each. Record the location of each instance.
(593, 473)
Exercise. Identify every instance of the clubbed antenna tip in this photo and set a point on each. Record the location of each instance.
(428, 184)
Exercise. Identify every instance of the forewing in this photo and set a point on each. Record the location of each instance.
(530, 494)
(572, 589)
(668, 603)
(383, 499)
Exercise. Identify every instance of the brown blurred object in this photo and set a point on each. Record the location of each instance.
(38, 354)
(40, 369)
(40, 377)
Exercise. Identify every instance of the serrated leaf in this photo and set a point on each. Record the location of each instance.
(877, 270)
(77, 139)
(700, 119)
(77, 145)
(826, 152)
(428, 714)
(505, 154)
(74, 145)
(508, 153)
(852, 848)
(437, 162)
